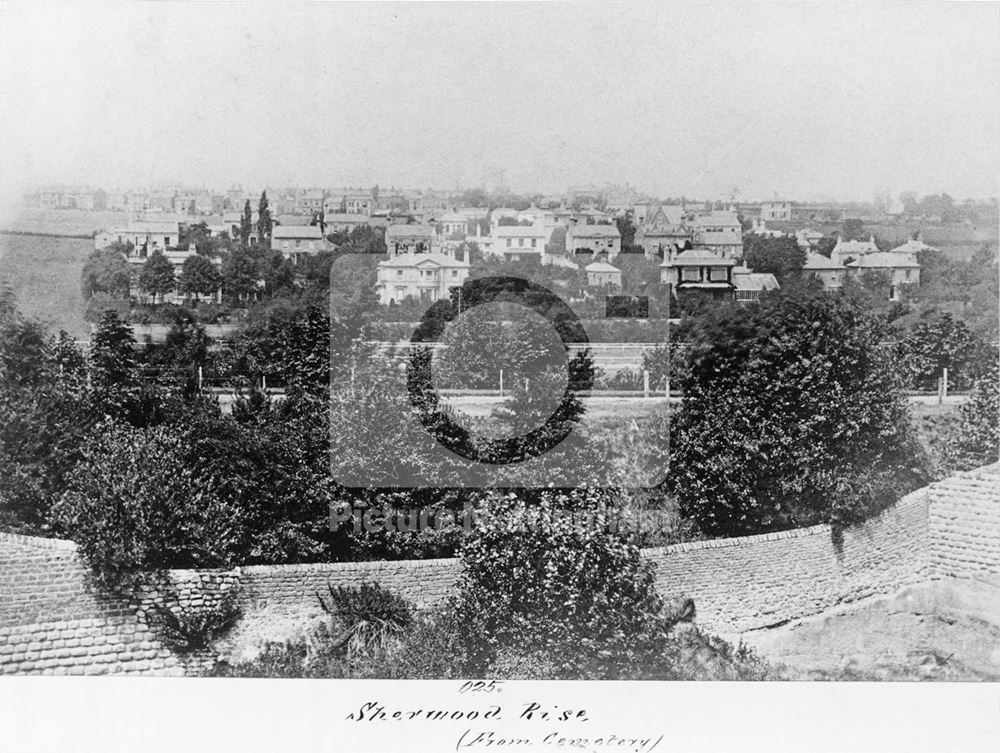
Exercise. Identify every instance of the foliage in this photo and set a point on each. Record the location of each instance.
(199, 276)
(106, 271)
(186, 628)
(975, 441)
(157, 275)
(135, 502)
(778, 256)
(264, 221)
(940, 342)
(369, 619)
(790, 418)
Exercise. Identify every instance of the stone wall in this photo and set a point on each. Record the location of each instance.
(965, 525)
(53, 621)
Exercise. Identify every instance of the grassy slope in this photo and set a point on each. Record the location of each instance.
(44, 273)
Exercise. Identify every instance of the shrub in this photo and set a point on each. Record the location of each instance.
(975, 441)
(185, 628)
(370, 618)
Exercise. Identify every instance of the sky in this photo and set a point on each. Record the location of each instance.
(805, 101)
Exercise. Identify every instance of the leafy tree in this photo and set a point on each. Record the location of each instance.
(239, 276)
(112, 354)
(157, 276)
(263, 221)
(790, 418)
(778, 256)
(976, 439)
(199, 276)
(941, 342)
(106, 271)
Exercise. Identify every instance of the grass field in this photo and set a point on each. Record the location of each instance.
(44, 273)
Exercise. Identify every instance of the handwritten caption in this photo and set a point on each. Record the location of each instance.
(535, 718)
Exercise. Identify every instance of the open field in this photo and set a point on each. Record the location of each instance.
(44, 273)
(60, 221)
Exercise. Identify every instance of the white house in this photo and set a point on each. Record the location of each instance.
(903, 269)
(601, 274)
(517, 241)
(454, 224)
(845, 251)
(596, 238)
(421, 276)
(405, 239)
(297, 241)
(719, 232)
(776, 211)
(142, 235)
(828, 271)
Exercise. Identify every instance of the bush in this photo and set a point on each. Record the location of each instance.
(975, 441)
(186, 629)
(791, 417)
(369, 619)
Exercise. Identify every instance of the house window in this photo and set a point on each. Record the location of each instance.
(454, 273)
(534, 243)
(166, 240)
(520, 242)
(691, 274)
(399, 273)
(907, 274)
(510, 242)
(717, 275)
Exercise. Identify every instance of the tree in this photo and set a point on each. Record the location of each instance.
(239, 275)
(790, 418)
(106, 271)
(246, 225)
(940, 342)
(199, 276)
(263, 221)
(976, 439)
(778, 256)
(157, 276)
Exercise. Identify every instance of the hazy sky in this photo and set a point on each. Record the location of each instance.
(694, 99)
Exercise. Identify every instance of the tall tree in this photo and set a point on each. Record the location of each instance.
(246, 225)
(157, 275)
(239, 275)
(264, 221)
(106, 271)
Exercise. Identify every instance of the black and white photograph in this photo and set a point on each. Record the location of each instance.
(521, 349)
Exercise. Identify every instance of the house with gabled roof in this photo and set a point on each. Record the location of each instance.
(601, 274)
(903, 270)
(404, 239)
(846, 251)
(827, 270)
(751, 285)
(298, 241)
(594, 238)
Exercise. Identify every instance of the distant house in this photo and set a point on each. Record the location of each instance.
(176, 257)
(145, 237)
(405, 239)
(846, 251)
(903, 270)
(751, 285)
(453, 223)
(310, 201)
(601, 274)
(760, 228)
(663, 232)
(699, 270)
(421, 276)
(808, 239)
(515, 242)
(342, 222)
(719, 232)
(359, 203)
(298, 241)
(776, 211)
(333, 204)
(826, 270)
(913, 246)
(595, 238)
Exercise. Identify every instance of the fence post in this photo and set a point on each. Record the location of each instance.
(199, 379)
(944, 383)
(263, 383)
(501, 382)
(645, 383)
